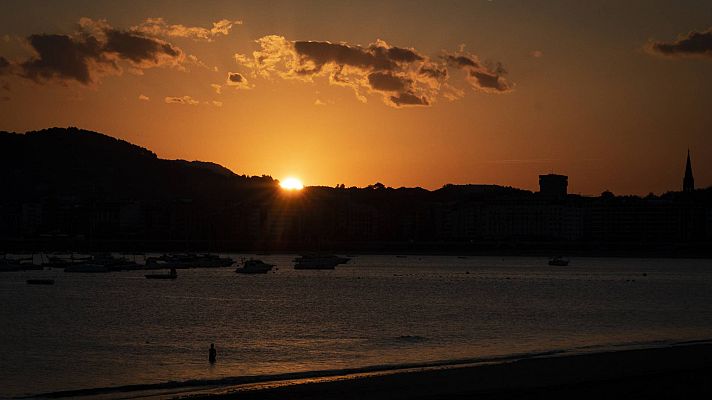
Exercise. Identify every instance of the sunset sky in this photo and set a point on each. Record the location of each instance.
(408, 93)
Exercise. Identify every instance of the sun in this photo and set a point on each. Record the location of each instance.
(291, 183)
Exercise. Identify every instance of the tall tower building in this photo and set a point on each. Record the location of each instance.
(688, 183)
(553, 185)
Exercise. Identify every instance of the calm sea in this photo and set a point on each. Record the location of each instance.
(99, 330)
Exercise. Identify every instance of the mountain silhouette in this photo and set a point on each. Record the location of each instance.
(79, 163)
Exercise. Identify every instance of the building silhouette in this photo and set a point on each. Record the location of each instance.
(553, 185)
(688, 183)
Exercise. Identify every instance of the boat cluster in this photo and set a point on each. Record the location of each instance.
(106, 262)
(304, 261)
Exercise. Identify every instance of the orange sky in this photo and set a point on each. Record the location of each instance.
(606, 93)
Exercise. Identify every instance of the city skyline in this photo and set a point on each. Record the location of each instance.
(467, 92)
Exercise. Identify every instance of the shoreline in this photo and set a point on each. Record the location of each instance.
(468, 376)
(653, 372)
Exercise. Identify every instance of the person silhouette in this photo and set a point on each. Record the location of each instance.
(212, 353)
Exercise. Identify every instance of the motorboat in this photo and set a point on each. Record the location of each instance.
(189, 261)
(254, 266)
(558, 261)
(171, 275)
(17, 264)
(102, 262)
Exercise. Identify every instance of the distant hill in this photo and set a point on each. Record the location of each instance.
(71, 162)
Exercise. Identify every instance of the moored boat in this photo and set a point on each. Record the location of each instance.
(558, 261)
(40, 281)
(319, 261)
(102, 262)
(254, 266)
(189, 261)
(171, 275)
(17, 264)
(88, 268)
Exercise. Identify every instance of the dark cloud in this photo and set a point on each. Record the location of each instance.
(235, 77)
(237, 80)
(409, 99)
(4, 65)
(690, 45)
(461, 61)
(396, 54)
(489, 80)
(140, 50)
(433, 71)
(62, 57)
(95, 50)
(482, 77)
(388, 82)
(402, 76)
(321, 53)
(377, 56)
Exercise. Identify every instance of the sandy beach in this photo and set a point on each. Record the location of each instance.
(681, 371)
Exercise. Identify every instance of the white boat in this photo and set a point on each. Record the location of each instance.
(253, 266)
(319, 261)
(188, 261)
(19, 264)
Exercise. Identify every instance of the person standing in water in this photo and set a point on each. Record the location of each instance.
(212, 353)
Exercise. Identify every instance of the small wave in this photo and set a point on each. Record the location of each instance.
(411, 338)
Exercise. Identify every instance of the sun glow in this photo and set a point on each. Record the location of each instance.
(291, 184)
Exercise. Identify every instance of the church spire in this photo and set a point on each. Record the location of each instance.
(688, 184)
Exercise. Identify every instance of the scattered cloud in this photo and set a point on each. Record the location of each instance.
(217, 88)
(402, 76)
(237, 80)
(318, 102)
(692, 44)
(217, 103)
(159, 27)
(536, 54)
(143, 97)
(182, 100)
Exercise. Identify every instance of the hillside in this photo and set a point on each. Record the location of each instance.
(70, 162)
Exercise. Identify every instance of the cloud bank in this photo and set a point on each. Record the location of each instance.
(693, 44)
(402, 76)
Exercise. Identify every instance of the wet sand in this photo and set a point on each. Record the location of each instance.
(681, 371)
